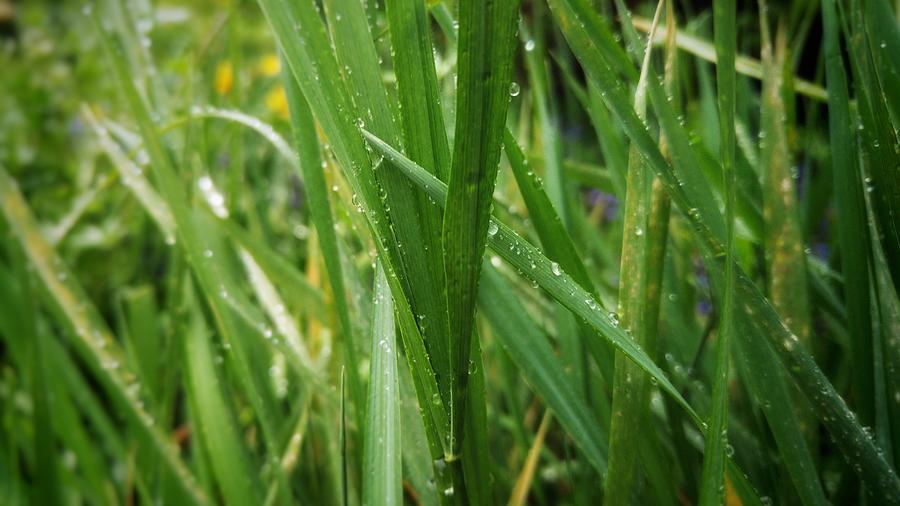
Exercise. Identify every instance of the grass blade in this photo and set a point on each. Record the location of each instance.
(831, 409)
(382, 472)
(712, 484)
(554, 238)
(631, 389)
(851, 218)
(486, 44)
(531, 352)
(93, 338)
(533, 264)
(310, 159)
(217, 429)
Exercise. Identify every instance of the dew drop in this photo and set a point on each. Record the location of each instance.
(514, 89)
(613, 319)
(554, 268)
(492, 229)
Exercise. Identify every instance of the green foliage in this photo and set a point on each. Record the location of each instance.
(524, 252)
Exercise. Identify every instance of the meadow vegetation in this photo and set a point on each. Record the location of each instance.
(449, 252)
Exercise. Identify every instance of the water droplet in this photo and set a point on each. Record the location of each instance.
(492, 229)
(638, 231)
(448, 491)
(514, 89)
(436, 399)
(591, 303)
(554, 268)
(613, 319)
(529, 45)
(472, 367)
(207, 253)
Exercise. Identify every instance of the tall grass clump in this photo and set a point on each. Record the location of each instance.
(449, 252)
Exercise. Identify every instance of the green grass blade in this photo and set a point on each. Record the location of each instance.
(316, 192)
(424, 132)
(712, 486)
(199, 243)
(477, 463)
(93, 338)
(216, 424)
(307, 48)
(425, 140)
(294, 283)
(133, 177)
(852, 228)
(631, 389)
(870, 49)
(531, 352)
(47, 485)
(382, 470)
(486, 44)
(554, 238)
(832, 411)
(535, 266)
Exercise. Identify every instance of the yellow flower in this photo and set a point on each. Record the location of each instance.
(269, 66)
(224, 78)
(276, 101)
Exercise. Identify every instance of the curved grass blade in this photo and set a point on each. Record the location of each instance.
(294, 284)
(253, 123)
(531, 352)
(198, 243)
(555, 239)
(299, 31)
(533, 265)
(831, 409)
(92, 337)
(382, 470)
(133, 178)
